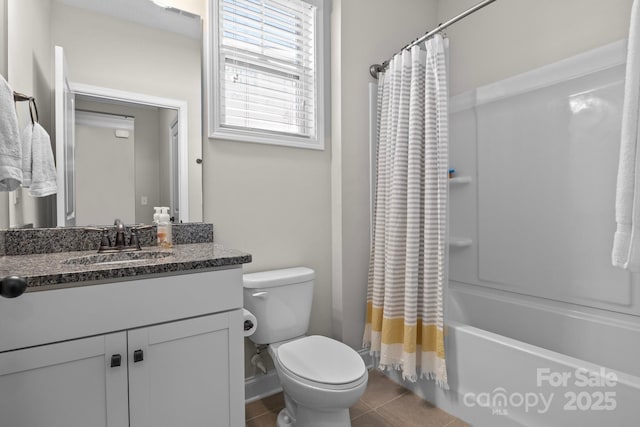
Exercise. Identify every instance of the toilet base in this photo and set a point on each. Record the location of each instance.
(307, 417)
(284, 420)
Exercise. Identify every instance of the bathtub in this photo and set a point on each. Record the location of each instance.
(542, 367)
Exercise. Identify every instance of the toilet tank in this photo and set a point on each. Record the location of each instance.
(281, 301)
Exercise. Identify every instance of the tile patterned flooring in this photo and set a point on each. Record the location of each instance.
(384, 404)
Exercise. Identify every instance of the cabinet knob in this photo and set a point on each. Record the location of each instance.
(116, 360)
(12, 286)
(138, 356)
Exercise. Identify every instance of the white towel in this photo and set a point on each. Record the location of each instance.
(626, 241)
(10, 146)
(27, 159)
(43, 170)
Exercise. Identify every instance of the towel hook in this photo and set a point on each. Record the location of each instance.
(34, 110)
(17, 97)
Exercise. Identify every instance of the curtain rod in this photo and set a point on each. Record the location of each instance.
(376, 68)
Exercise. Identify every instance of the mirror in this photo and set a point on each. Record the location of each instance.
(136, 147)
(124, 47)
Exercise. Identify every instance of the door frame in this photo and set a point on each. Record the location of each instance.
(174, 148)
(154, 101)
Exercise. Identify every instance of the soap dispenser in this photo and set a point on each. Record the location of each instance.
(164, 228)
(156, 215)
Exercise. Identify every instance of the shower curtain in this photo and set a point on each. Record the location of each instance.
(408, 263)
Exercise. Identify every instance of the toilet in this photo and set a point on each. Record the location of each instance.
(321, 377)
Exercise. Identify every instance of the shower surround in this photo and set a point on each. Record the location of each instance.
(541, 329)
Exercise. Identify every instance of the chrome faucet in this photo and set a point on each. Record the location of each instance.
(120, 244)
(120, 232)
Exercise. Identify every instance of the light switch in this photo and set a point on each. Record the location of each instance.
(144, 200)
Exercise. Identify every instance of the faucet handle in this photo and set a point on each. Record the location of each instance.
(141, 227)
(134, 240)
(105, 240)
(92, 228)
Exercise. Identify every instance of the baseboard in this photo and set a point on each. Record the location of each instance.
(260, 386)
(366, 357)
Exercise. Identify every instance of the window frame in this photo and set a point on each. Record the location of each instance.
(215, 128)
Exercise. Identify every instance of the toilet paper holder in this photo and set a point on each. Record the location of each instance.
(249, 322)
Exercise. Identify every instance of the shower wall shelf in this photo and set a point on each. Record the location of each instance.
(460, 180)
(460, 242)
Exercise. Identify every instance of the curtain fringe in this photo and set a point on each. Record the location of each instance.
(428, 375)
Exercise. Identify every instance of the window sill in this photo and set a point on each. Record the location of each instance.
(265, 138)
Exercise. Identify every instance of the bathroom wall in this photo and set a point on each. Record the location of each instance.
(146, 156)
(364, 32)
(275, 203)
(511, 37)
(99, 153)
(301, 207)
(130, 51)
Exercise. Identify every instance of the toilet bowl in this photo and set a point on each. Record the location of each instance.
(321, 377)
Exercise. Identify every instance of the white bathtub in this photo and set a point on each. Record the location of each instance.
(518, 361)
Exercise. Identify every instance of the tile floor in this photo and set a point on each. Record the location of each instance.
(384, 404)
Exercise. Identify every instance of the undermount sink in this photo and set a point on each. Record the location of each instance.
(117, 257)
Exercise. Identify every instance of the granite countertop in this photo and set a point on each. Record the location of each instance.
(53, 270)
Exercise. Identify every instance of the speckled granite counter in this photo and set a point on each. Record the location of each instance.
(69, 239)
(52, 270)
(48, 271)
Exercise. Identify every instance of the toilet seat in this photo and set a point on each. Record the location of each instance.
(322, 362)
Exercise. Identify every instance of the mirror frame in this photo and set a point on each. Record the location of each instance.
(154, 101)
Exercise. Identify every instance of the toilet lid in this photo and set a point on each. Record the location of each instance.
(321, 359)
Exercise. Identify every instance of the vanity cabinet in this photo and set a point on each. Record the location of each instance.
(178, 363)
(66, 384)
(183, 379)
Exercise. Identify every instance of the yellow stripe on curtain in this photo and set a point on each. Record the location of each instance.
(395, 331)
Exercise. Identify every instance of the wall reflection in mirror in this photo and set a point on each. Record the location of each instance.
(131, 144)
(124, 158)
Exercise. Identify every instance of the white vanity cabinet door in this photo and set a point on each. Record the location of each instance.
(188, 373)
(68, 384)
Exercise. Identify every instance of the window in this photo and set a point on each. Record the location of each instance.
(267, 72)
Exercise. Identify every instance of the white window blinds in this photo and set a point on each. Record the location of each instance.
(267, 66)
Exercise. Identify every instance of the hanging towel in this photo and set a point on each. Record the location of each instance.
(626, 241)
(10, 147)
(43, 170)
(27, 140)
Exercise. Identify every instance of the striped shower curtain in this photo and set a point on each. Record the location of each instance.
(408, 266)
